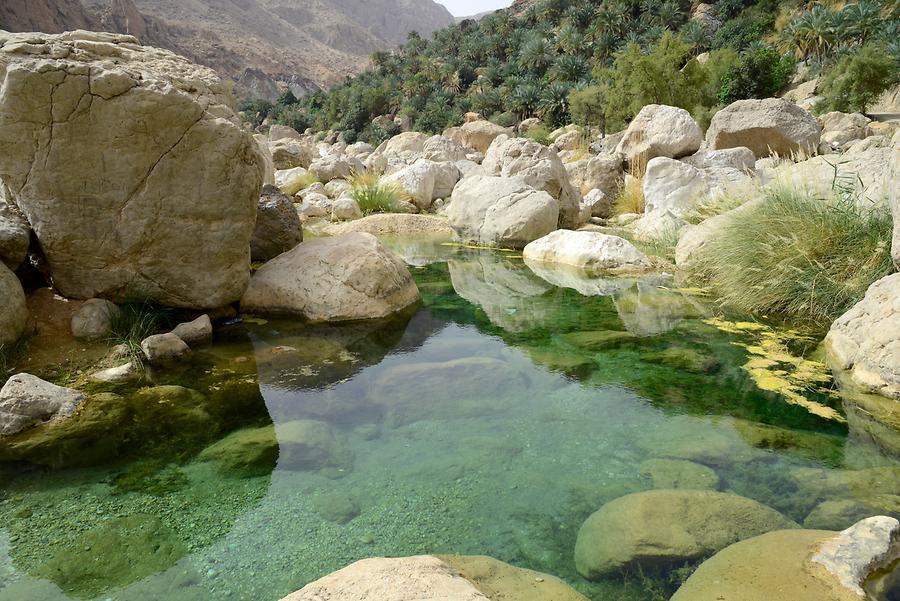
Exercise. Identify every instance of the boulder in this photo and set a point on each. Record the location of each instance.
(728, 170)
(161, 348)
(344, 278)
(335, 166)
(114, 375)
(446, 176)
(587, 251)
(693, 238)
(671, 190)
(94, 319)
(268, 161)
(136, 175)
(290, 154)
(604, 173)
(13, 310)
(197, 332)
(769, 126)
(501, 211)
(660, 131)
(26, 401)
(345, 208)
(797, 565)
(283, 132)
(600, 204)
(529, 124)
(456, 578)
(277, 228)
(337, 187)
(678, 473)
(666, 527)
(569, 141)
(442, 149)
(839, 129)
(15, 233)
(541, 168)
(415, 181)
(479, 135)
(407, 142)
(866, 340)
(291, 181)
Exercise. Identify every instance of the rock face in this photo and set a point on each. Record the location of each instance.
(500, 211)
(588, 251)
(770, 126)
(541, 168)
(660, 131)
(668, 526)
(277, 228)
(26, 400)
(94, 320)
(452, 577)
(344, 278)
(797, 565)
(13, 311)
(866, 339)
(132, 169)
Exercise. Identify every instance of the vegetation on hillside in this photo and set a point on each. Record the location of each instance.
(599, 62)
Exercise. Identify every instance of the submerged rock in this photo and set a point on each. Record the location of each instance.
(345, 278)
(130, 165)
(588, 251)
(94, 319)
(26, 400)
(248, 452)
(675, 473)
(13, 310)
(769, 126)
(665, 527)
(797, 565)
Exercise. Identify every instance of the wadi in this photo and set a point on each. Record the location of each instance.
(366, 301)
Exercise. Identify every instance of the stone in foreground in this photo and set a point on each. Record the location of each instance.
(501, 211)
(345, 278)
(588, 251)
(788, 565)
(666, 527)
(866, 340)
(130, 165)
(26, 401)
(436, 578)
(770, 126)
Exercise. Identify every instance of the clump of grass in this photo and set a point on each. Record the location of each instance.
(707, 208)
(301, 182)
(374, 195)
(630, 195)
(137, 321)
(798, 254)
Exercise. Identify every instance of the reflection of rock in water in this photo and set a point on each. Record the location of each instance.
(648, 310)
(873, 420)
(580, 281)
(509, 293)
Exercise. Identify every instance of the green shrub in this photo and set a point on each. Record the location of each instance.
(759, 73)
(799, 255)
(374, 195)
(857, 80)
(539, 134)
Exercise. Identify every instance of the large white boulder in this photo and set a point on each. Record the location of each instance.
(770, 126)
(501, 211)
(290, 154)
(587, 251)
(671, 190)
(441, 149)
(728, 170)
(13, 311)
(479, 135)
(866, 339)
(541, 168)
(136, 176)
(660, 131)
(26, 401)
(416, 182)
(407, 142)
(344, 278)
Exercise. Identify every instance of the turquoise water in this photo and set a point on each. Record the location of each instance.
(493, 420)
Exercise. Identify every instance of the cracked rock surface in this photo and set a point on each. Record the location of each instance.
(130, 166)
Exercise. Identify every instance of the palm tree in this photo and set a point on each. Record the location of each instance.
(525, 99)
(554, 104)
(570, 68)
(536, 54)
(860, 20)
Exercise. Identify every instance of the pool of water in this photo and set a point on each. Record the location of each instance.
(492, 420)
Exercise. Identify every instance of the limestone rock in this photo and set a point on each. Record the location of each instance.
(602, 173)
(660, 131)
(664, 527)
(94, 319)
(838, 129)
(692, 239)
(501, 211)
(113, 375)
(587, 251)
(344, 278)
(290, 154)
(135, 174)
(769, 126)
(360, 150)
(857, 552)
(26, 400)
(15, 233)
(283, 132)
(599, 203)
(671, 189)
(160, 348)
(407, 142)
(479, 135)
(337, 188)
(541, 168)
(345, 208)
(392, 224)
(893, 186)
(199, 331)
(334, 166)
(13, 311)
(442, 149)
(446, 176)
(415, 181)
(678, 473)
(278, 227)
(866, 339)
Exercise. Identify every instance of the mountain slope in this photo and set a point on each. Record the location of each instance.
(51, 16)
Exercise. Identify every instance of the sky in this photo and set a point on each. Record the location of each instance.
(464, 8)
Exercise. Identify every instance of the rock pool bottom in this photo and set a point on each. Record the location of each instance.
(493, 421)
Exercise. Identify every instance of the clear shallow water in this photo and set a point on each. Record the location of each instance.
(494, 420)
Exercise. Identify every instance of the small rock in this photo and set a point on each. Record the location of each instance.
(195, 332)
(164, 347)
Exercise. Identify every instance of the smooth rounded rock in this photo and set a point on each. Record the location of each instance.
(587, 251)
(95, 319)
(13, 310)
(767, 127)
